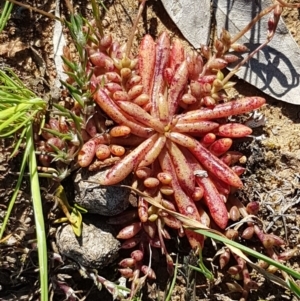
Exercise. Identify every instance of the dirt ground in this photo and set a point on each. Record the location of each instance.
(272, 177)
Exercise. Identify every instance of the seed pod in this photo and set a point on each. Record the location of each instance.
(288, 254)
(150, 228)
(217, 63)
(135, 91)
(164, 177)
(220, 146)
(117, 150)
(54, 124)
(127, 263)
(120, 96)
(153, 217)
(120, 131)
(196, 89)
(234, 214)
(232, 157)
(168, 205)
(162, 213)
(100, 59)
(133, 81)
(188, 99)
(272, 269)
(234, 287)
(141, 100)
(207, 79)
(172, 222)
(239, 47)
(129, 231)
(125, 73)
(155, 242)
(143, 172)
(230, 58)
(45, 160)
(113, 77)
(195, 64)
(232, 234)
(219, 46)
(168, 75)
(166, 190)
(204, 217)
(206, 52)
(152, 210)
(239, 170)
(56, 142)
(102, 151)
(91, 128)
(87, 153)
(224, 258)
(148, 271)
(151, 182)
(106, 41)
(137, 255)
(63, 126)
(127, 272)
(262, 264)
(198, 194)
(208, 139)
(248, 232)
(227, 159)
(143, 209)
(114, 50)
(217, 84)
(113, 87)
(234, 270)
(225, 37)
(251, 285)
(234, 130)
(270, 240)
(130, 243)
(252, 207)
(205, 88)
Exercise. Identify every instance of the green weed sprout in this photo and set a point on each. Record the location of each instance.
(20, 108)
(5, 13)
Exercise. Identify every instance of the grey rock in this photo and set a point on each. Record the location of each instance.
(108, 201)
(96, 248)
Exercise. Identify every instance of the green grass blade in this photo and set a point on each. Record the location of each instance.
(250, 252)
(15, 128)
(15, 194)
(5, 14)
(38, 216)
(18, 143)
(172, 285)
(294, 287)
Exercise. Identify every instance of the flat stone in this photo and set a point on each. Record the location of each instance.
(108, 201)
(96, 248)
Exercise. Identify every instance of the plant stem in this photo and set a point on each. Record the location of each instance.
(38, 215)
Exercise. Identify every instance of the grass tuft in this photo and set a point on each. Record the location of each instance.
(20, 109)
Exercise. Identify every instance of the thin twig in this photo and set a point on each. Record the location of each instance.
(31, 8)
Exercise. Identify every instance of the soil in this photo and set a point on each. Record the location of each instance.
(272, 178)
